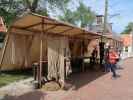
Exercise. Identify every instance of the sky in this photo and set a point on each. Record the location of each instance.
(123, 9)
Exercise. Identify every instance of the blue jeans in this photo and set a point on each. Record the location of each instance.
(113, 68)
(107, 67)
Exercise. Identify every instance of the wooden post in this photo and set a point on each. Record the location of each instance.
(83, 69)
(41, 55)
(41, 59)
(4, 49)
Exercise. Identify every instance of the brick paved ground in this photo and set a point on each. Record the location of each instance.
(94, 86)
(106, 88)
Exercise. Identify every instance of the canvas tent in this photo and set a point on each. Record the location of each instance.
(38, 38)
(24, 35)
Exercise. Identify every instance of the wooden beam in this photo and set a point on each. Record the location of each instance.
(57, 24)
(88, 35)
(66, 30)
(30, 30)
(29, 26)
(40, 23)
(4, 49)
(21, 31)
(20, 34)
(33, 31)
(49, 28)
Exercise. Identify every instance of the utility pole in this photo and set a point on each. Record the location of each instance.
(101, 44)
(105, 19)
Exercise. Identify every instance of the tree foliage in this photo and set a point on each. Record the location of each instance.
(128, 28)
(82, 16)
(68, 16)
(10, 9)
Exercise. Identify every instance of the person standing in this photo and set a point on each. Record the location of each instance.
(113, 56)
(106, 58)
(94, 55)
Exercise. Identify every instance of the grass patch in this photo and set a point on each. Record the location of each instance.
(12, 76)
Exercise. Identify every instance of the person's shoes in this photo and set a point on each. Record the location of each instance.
(116, 76)
(106, 71)
(120, 68)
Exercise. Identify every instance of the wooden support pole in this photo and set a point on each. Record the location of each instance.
(41, 59)
(41, 55)
(82, 55)
(4, 49)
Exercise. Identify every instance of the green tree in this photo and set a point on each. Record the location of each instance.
(68, 16)
(82, 16)
(128, 28)
(10, 9)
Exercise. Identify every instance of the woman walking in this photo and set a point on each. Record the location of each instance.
(113, 56)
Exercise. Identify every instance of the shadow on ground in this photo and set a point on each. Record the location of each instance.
(78, 80)
(7, 77)
(35, 95)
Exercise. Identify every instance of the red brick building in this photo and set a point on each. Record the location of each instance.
(127, 42)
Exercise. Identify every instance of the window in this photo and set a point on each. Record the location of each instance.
(126, 49)
(99, 20)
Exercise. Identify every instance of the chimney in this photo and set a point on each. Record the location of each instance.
(99, 19)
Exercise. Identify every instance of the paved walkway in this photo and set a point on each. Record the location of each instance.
(93, 86)
(107, 88)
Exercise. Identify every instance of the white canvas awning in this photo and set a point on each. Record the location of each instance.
(34, 24)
